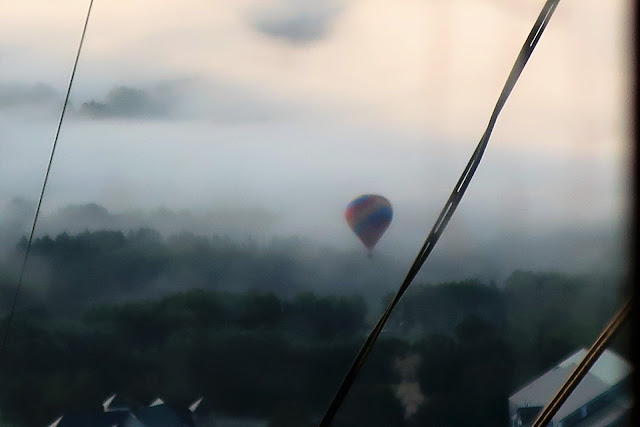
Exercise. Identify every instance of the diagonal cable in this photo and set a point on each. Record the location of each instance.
(583, 367)
(44, 185)
(448, 210)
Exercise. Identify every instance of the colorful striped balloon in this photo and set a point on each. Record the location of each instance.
(369, 217)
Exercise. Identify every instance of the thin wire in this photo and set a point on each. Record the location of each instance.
(44, 183)
(448, 210)
(583, 367)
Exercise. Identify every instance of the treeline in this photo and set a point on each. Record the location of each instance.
(542, 315)
(73, 272)
(247, 354)
(108, 327)
(257, 355)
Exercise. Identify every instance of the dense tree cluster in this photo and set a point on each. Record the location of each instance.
(75, 272)
(104, 320)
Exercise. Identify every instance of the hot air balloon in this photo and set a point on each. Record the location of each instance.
(369, 217)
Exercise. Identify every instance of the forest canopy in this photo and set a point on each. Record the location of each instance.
(250, 329)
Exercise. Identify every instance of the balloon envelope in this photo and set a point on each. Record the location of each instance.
(369, 217)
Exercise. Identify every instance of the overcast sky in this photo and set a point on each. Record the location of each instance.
(297, 106)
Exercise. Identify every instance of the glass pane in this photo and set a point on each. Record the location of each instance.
(204, 254)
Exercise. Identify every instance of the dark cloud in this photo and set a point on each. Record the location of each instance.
(297, 29)
(218, 101)
(297, 22)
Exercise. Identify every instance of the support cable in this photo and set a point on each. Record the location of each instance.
(44, 185)
(448, 210)
(583, 367)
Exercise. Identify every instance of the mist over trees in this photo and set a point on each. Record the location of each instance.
(235, 223)
(568, 250)
(268, 331)
(76, 271)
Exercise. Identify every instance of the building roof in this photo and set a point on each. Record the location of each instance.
(157, 401)
(609, 367)
(613, 414)
(115, 403)
(194, 406)
(529, 413)
(540, 392)
(609, 370)
(223, 421)
(162, 415)
(94, 419)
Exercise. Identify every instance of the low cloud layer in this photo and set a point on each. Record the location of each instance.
(238, 224)
(23, 95)
(212, 99)
(212, 107)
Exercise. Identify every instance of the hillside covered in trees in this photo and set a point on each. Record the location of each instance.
(263, 332)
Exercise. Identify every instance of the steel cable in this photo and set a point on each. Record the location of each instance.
(44, 185)
(448, 210)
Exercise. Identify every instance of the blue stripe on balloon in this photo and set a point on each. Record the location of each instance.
(382, 215)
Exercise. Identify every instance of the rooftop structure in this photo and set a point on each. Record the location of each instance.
(601, 399)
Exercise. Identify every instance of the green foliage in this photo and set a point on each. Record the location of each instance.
(95, 267)
(290, 414)
(266, 353)
(370, 405)
(326, 318)
(237, 350)
(466, 377)
(439, 308)
(551, 314)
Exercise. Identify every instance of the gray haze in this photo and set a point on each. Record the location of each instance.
(187, 98)
(256, 119)
(18, 95)
(202, 167)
